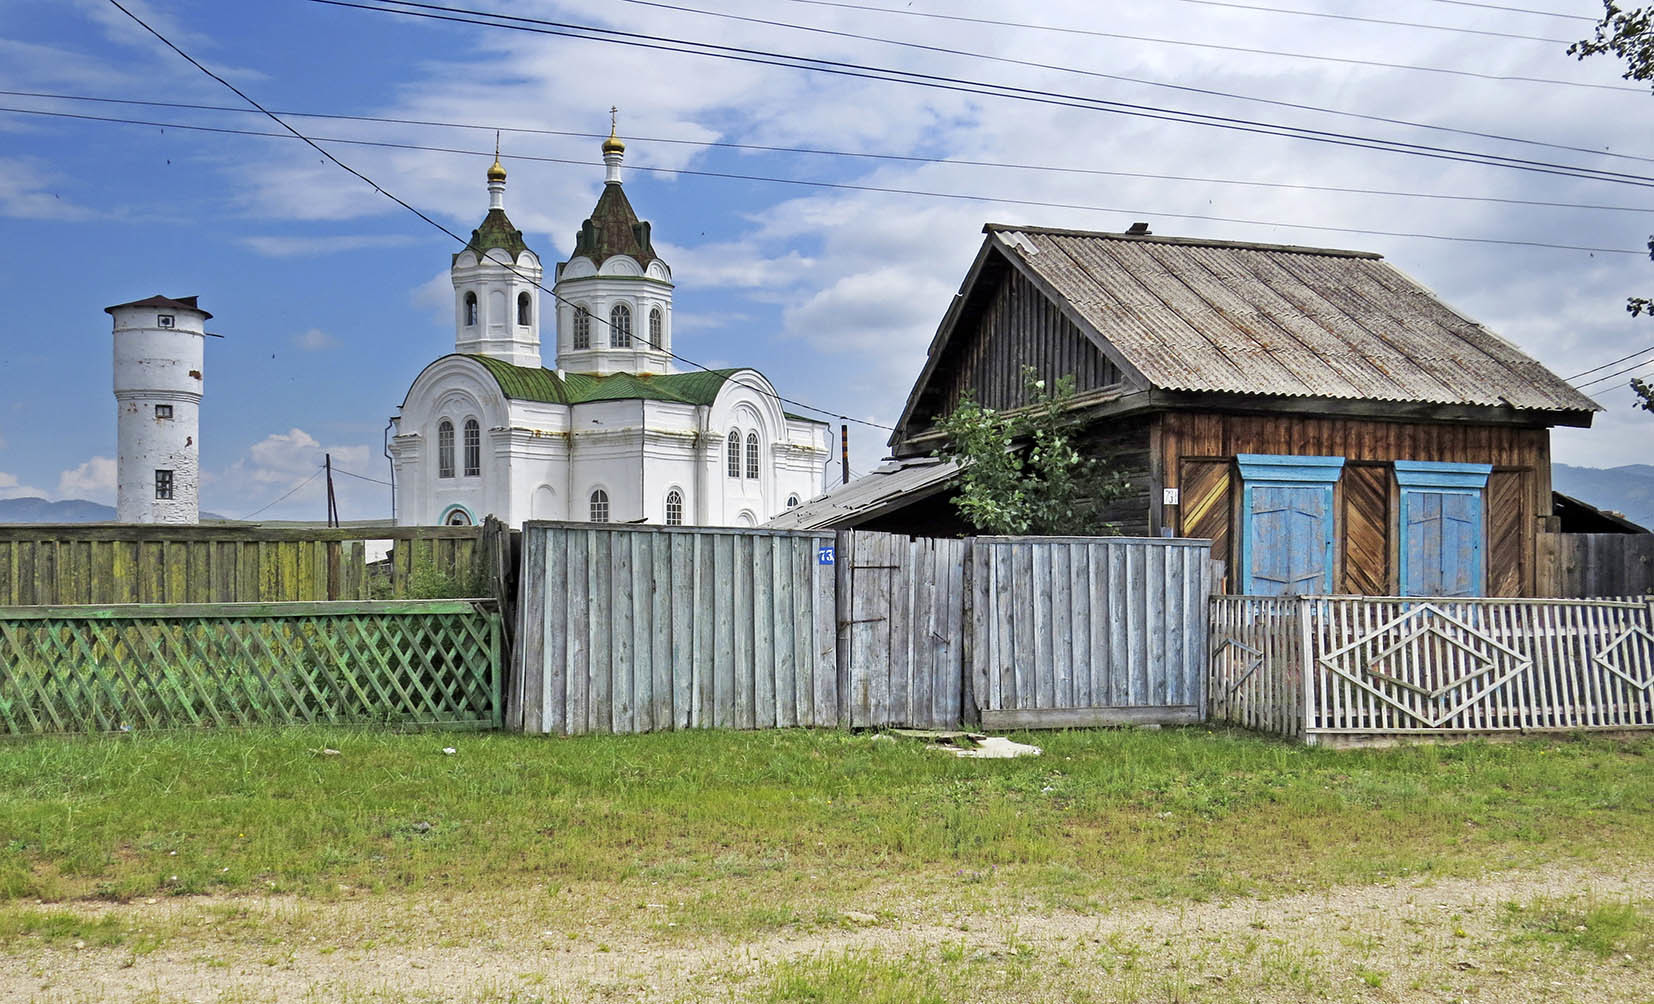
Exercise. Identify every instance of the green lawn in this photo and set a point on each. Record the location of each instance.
(760, 826)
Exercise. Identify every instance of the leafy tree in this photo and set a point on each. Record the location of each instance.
(1020, 471)
(1628, 35)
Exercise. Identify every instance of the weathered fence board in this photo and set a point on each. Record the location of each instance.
(1582, 565)
(904, 601)
(162, 666)
(97, 563)
(1073, 631)
(1340, 667)
(637, 629)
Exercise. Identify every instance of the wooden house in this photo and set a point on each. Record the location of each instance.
(1326, 420)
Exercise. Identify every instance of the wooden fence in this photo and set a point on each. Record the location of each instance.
(631, 629)
(1086, 631)
(96, 563)
(1350, 667)
(137, 667)
(637, 629)
(1583, 565)
(901, 603)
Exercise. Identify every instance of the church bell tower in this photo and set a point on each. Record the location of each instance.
(497, 287)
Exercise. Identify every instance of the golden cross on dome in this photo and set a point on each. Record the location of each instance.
(614, 120)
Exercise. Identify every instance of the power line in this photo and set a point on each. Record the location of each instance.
(1299, 106)
(290, 492)
(967, 86)
(390, 195)
(810, 151)
(361, 477)
(1515, 10)
(1609, 363)
(1093, 33)
(1609, 376)
(1375, 20)
(850, 186)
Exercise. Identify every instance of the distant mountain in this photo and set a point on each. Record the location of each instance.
(38, 510)
(1628, 490)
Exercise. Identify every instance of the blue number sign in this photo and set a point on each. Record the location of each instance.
(824, 556)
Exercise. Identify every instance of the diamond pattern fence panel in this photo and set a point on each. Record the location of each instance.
(429, 663)
(1368, 666)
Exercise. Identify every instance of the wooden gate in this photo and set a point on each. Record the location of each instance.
(902, 621)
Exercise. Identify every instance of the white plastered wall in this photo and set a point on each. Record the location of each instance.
(156, 366)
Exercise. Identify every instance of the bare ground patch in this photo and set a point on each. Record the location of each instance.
(1510, 935)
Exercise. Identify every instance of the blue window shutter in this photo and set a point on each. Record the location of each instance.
(1287, 536)
(1442, 528)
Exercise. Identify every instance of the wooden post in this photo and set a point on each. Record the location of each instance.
(844, 449)
(1306, 681)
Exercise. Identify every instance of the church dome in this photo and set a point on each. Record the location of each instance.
(497, 172)
(613, 143)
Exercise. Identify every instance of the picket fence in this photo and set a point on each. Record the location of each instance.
(1348, 668)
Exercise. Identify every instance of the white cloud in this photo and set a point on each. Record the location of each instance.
(310, 247)
(94, 481)
(315, 340)
(282, 461)
(27, 192)
(12, 488)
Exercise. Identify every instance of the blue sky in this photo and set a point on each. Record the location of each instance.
(331, 298)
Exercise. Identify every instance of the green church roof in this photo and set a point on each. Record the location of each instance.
(614, 229)
(523, 383)
(496, 232)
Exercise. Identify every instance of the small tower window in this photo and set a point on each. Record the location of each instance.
(620, 327)
(163, 411)
(470, 310)
(473, 448)
(654, 328)
(525, 309)
(582, 327)
(165, 320)
(792, 501)
(752, 454)
(445, 449)
(163, 484)
(674, 508)
(600, 506)
(734, 452)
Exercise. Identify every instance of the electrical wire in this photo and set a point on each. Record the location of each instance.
(1609, 376)
(1210, 45)
(1209, 92)
(290, 492)
(809, 151)
(966, 86)
(854, 187)
(394, 198)
(1514, 10)
(360, 477)
(1375, 20)
(1610, 362)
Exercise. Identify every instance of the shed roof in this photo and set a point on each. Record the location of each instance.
(893, 484)
(162, 303)
(525, 383)
(1266, 319)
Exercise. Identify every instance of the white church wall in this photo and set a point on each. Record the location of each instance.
(621, 281)
(497, 281)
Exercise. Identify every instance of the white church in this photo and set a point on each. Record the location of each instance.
(611, 431)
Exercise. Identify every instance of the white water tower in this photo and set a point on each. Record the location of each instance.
(159, 345)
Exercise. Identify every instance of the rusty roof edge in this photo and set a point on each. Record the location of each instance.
(995, 228)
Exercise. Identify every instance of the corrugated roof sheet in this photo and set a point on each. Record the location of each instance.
(865, 496)
(523, 383)
(1229, 317)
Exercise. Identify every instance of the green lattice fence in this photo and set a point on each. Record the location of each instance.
(144, 666)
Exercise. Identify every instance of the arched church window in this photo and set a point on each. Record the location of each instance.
(445, 449)
(582, 327)
(654, 328)
(734, 452)
(752, 454)
(473, 448)
(459, 517)
(620, 327)
(674, 508)
(525, 309)
(470, 310)
(792, 501)
(600, 506)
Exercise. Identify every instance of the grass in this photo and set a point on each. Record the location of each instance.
(759, 831)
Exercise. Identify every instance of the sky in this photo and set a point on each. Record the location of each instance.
(828, 272)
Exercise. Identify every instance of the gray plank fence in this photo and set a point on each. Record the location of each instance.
(635, 629)
(1583, 565)
(639, 629)
(1080, 631)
